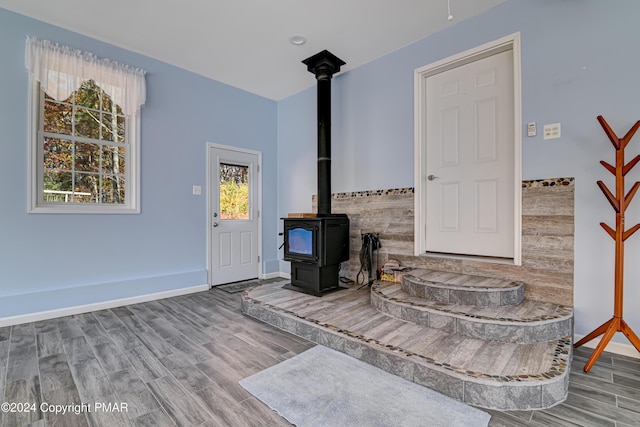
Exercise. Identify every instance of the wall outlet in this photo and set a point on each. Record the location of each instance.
(552, 131)
(197, 190)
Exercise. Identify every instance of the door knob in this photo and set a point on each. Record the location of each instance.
(431, 177)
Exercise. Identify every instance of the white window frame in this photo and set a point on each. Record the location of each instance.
(36, 166)
(63, 69)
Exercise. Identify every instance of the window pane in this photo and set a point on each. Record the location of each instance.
(108, 105)
(58, 186)
(108, 127)
(87, 123)
(58, 154)
(57, 117)
(86, 188)
(113, 159)
(112, 127)
(234, 191)
(121, 129)
(88, 95)
(113, 188)
(87, 157)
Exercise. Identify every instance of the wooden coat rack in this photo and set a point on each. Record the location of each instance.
(619, 202)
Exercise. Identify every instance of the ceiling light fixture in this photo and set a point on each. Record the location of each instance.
(297, 39)
(450, 17)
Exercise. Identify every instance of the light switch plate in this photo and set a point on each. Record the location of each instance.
(197, 190)
(552, 131)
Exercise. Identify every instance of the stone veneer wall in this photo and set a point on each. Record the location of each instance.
(547, 237)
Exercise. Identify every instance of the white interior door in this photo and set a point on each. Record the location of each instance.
(470, 158)
(234, 210)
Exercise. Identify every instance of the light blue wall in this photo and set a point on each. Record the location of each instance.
(184, 111)
(579, 59)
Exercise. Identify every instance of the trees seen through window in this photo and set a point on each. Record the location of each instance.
(84, 148)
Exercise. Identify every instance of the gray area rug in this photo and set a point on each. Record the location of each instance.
(323, 387)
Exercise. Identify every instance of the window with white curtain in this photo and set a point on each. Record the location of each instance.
(85, 131)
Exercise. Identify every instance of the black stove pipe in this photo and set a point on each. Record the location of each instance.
(324, 65)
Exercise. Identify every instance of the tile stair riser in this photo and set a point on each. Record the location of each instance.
(517, 396)
(501, 331)
(498, 394)
(483, 297)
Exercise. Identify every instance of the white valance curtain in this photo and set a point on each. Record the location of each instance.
(61, 70)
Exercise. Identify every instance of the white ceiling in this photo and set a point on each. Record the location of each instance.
(245, 43)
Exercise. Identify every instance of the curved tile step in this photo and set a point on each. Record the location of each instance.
(455, 288)
(529, 322)
(492, 375)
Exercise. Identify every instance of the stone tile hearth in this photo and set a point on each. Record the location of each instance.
(492, 334)
(477, 370)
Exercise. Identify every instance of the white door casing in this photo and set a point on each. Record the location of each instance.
(468, 153)
(234, 245)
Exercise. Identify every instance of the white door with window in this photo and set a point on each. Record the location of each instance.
(469, 169)
(234, 198)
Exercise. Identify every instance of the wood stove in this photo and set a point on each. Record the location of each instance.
(317, 245)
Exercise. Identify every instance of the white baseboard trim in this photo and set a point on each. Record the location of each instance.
(103, 305)
(285, 275)
(272, 275)
(613, 347)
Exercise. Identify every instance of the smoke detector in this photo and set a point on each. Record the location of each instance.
(297, 39)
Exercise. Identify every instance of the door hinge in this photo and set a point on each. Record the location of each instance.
(258, 258)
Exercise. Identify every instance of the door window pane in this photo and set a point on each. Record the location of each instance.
(234, 191)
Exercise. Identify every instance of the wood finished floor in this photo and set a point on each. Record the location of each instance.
(178, 362)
